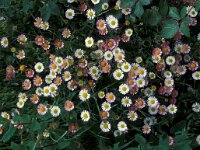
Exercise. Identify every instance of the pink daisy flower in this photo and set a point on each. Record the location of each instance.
(29, 73)
(39, 39)
(42, 109)
(69, 105)
(26, 84)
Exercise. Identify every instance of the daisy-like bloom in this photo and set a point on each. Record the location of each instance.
(67, 76)
(167, 74)
(89, 42)
(132, 116)
(191, 11)
(110, 44)
(148, 121)
(169, 82)
(140, 82)
(101, 24)
(156, 58)
(178, 48)
(104, 115)
(58, 81)
(112, 21)
(128, 32)
(66, 33)
(101, 94)
(84, 95)
(138, 60)
(59, 61)
(146, 129)
(157, 52)
(26, 84)
(54, 67)
(82, 6)
(126, 11)
(104, 6)
(39, 91)
(125, 67)
(4, 42)
(122, 126)
(69, 14)
(153, 110)
(53, 74)
(38, 22)
(123, 89)
(198, 139)
(166, 50)
(193, 66)
(181, 70)
(106, 106)
(29, 73)
(69, 105)
(46, 134)
(105, 126)
(85, 115)
(185, 49)
(148, 92)
(55, 111)
(37, 81)
(119, 57)
(103, 31)
(20, 104)
(162, 110)
(45, 26)
(134, 90)
(142, 72)
(196, 75)
(196, 107)
(126, 101)
(131, 82)
(59, 44)
(22, 96)
(152, 102)
(110, 97)
(39, 39)
(172, 109)
(93, 70)
(46, 45)
(98, 53)
(70, 1)
(34, 99)
(90, 14)
(95, 1)
(5, 115)
(48, 79)
(125, 38)
(20, 54)
(39, 67)
(116, 50)
(72, 85)
(79, 53)
(53, 87)
(118, 74)
(170, 60)
(108, 55)
(22, 39)
(46, 91)
(42, 109)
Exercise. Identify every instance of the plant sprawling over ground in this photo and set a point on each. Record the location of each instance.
(100, 74)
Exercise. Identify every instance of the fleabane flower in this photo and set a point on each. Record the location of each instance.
(172, 109)
(112, 21)
(126, 101)
(39, 67)
(118, 74)
(4, 42)
(196, 107)
(55, 111)
(69, 14)
(196, 75)
(105, 126)
(84, 95)
(89, 42)
(170, 60)
(152, 101)
(106, 106)
(85, 115)
(123, 89)
(90, 14)
(122, 126)
(95, 1)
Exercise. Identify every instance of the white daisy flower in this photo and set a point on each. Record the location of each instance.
(191, 11)
(93, 70)
(132, 116)
(167, 74)
(152, 75)
(198, 139)
(140, 82)
(39, 91)
(196, 75)
(105, 126)
(108, 55)
(39, 67)
(156, 58)
(95, 1)
(152, 101)
(106, 106)
(116, 51)
(84, 95)
(89, 42)
(123, 89)
(117, 133)
(67, 76)
(90, 14)
(126, 67)
(99, 53)
(146, 129)
(196, 107)
(48, 79)
(79, 53)
(5, 115)
(53, 87)
(69, 14)
(142, 72)
(126, 101)
(122, 126)
(4, 42)
(172, 109)
(55, 111)
(169, 82)
(22, 96)
(20, 104)
(59, 61)
(153, 110)
(104, 6)
(170, 60)
(128, 32)
(70, 1)
(53, 74)
(112, 21)
(46, 91)
(85, 115)
(178, 48)
(139, 60)
(118, 74)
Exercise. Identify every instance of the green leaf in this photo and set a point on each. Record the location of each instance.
(163, 142)
(127, 3)
(45, 12)
(35, 125)
(142, 141)
(186, 20)
(178, 126)
(173, 13)
(152, 17)
(27, 5)
(185, 29)
(11, 131)
(197, 6)
(163, 7)
(63, 144)
(169, 29)
(139, 10)
(15, 146)
(116, 146)
(183, 12)
(145, 2)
